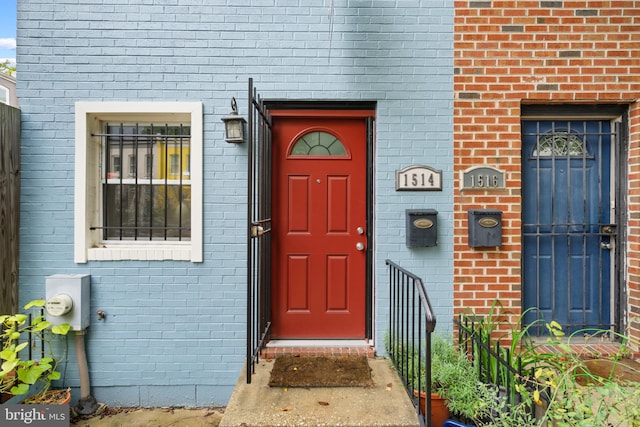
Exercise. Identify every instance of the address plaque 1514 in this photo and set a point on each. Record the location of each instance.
(419, 178)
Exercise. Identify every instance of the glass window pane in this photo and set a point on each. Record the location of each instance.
(4, 95)
(560, 144)
(132, 165)
(158, 205)
(174, 162)
(318, 144)
(141, 211)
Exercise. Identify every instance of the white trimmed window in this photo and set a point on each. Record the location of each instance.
(4, 95)
(150, 208)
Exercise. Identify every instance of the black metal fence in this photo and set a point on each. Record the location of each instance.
(496, 365)
(411, 323)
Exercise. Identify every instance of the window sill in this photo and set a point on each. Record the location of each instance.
(141, 253)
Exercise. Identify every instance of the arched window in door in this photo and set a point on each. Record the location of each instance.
(560, 143)
(318, 143)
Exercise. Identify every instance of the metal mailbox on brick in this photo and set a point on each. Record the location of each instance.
(485, 227)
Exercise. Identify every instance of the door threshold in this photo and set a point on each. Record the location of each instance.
(318, 343)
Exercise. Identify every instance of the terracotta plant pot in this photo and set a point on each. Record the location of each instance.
(439, 410)
(4, 397)
(51, 397)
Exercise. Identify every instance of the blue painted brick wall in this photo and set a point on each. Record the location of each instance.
(180, 323)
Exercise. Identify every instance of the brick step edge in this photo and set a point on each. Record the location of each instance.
(273, 352)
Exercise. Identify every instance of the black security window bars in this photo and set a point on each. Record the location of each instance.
(149, 197)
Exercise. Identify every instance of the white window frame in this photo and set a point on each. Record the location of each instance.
(174, 165)
(88, 244)
(133, 164)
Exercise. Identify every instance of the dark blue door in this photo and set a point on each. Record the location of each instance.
(567, 230)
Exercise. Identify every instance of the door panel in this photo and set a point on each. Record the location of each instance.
(298, 202)
(298, 283)
(566, 201)
(337, 283)
(338, 208)
(319, 202)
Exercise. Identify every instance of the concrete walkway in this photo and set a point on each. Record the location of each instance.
(386, 404)
(152, 417)
(258, 405)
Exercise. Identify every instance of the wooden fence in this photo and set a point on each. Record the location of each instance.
(9, 207)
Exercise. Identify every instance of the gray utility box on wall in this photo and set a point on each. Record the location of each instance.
(68, 300)
(422, 228)
(485, 227)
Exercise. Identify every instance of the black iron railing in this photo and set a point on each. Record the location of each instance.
(496, 365)
(411, 323)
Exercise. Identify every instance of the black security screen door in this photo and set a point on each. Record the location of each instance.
(258, 229)
(568, 227)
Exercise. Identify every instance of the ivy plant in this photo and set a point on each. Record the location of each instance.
(18, 372)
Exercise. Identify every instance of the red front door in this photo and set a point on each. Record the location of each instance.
(319, 226)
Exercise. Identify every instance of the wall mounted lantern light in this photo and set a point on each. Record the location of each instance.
(234, 124)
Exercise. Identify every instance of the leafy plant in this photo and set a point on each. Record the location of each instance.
(7, 68)
(497, 326)
(559, 383)
(505, 414)
(575, 396)
(18, 374)
(453, 377)
(507, 367)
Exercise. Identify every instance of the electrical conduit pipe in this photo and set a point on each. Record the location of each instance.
(87, 404)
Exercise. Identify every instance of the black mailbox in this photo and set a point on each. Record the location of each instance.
(422, 228)
(485, 227)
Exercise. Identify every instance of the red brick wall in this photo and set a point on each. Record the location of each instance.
(513, 52)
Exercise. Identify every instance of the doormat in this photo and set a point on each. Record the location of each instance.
(321, 371)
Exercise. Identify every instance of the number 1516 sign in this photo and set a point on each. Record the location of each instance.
(418, 178)
(482, 177)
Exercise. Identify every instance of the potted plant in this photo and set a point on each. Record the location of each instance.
(455, 378)
(411, 366)
(21, 375)
(455, 388)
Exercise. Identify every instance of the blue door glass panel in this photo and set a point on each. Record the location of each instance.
(566, 200)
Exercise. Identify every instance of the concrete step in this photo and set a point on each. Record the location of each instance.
(258, 405)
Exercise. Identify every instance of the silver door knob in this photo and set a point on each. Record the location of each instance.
(360, 230)
(360, 246)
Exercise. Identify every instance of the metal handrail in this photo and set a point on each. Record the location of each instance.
(411, 323)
